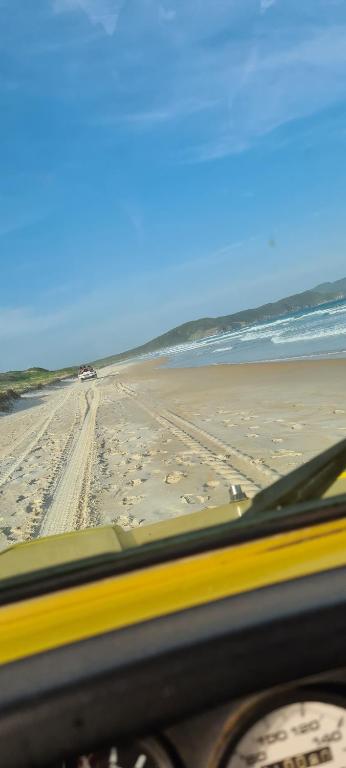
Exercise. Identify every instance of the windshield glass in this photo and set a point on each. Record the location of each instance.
(173, 279)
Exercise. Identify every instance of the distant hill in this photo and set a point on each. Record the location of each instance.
(338, 286)
(207, 326)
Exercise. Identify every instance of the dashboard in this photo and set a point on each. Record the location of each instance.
(300, 726)
(232, 657)
(254, 680)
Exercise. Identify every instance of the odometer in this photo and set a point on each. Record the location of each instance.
(303, 734)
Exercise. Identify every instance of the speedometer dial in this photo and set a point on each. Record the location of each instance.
(303, 734)
(148, 753)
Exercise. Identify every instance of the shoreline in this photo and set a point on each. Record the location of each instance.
(289, 315)
(159, 363)
(159, 359)
(319, 357)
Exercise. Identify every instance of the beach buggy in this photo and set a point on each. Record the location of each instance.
(86, 372)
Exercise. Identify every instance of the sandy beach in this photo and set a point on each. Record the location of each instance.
(144, 442)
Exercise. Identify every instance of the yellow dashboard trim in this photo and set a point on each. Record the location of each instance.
(51, 621)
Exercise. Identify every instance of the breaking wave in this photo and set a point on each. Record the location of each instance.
(316, 332)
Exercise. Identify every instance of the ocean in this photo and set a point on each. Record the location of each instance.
(314, 333)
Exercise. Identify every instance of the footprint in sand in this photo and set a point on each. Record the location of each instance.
(192, 498)
(174, 477)
(282, 454)
(137, 481)
(212, 484)
(130, 501)
(17, 533)
(127, 521)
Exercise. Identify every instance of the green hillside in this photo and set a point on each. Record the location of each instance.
(207, 326)
(338, 285)
(14, 383)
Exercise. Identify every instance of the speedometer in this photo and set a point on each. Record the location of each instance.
(147, 753)
(303, 734)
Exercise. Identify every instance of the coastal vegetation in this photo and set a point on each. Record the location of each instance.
(15, 383)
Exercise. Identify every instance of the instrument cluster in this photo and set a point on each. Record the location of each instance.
(299, 729)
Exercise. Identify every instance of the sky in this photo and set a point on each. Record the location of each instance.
(163, 160)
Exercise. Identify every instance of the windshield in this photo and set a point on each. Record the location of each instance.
(173, 278)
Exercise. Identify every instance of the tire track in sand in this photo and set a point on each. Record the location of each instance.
(241, 457)
(37, 433)
(37, 508)
(207, 448)
(69, 506)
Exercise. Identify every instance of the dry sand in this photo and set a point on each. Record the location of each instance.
(144, 442)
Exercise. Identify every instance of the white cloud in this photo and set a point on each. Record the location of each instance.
(166, 14)
(273, 86)
(165, 114)
(25, 321)
(281, 67)
(266, 4)
(104, 12)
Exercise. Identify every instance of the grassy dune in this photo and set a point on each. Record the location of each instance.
(15, 383)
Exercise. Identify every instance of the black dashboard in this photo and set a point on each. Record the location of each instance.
(188, 690)
(301, 725)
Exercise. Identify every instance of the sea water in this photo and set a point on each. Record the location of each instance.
(318, 332)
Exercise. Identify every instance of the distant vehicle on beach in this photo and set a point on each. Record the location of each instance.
(86, 372)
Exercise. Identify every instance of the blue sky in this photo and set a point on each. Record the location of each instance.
(163, 160)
